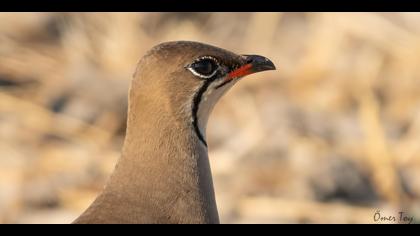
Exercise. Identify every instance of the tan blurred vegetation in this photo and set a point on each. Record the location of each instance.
(330, 137)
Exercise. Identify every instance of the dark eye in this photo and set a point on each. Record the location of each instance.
(204, 67)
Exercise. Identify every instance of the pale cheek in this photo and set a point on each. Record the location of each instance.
(209, 100)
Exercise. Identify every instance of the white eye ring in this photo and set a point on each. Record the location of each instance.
(201, 75)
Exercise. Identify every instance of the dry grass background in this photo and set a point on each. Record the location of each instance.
(332, 136)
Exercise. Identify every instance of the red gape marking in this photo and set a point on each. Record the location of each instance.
(241, 71)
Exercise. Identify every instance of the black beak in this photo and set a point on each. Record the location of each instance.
(252, 64)
(259, 63)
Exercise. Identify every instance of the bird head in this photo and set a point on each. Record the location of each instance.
(190, 77)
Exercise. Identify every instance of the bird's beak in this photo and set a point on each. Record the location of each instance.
(254, 64)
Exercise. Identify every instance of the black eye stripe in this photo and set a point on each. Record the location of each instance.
(223, 84)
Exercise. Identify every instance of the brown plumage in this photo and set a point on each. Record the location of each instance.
(163, 174)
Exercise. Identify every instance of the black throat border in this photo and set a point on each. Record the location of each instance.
(196, 105)
(197, 100)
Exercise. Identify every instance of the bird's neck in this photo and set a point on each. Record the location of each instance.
(163, 175)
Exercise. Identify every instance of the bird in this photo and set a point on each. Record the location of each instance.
(163, 175)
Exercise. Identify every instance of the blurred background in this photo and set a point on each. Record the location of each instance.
(331, 136)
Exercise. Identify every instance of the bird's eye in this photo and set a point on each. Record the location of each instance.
(204, 68)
